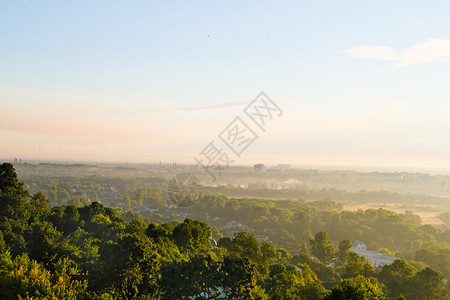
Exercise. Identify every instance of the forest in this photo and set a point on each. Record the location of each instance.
(218, 247)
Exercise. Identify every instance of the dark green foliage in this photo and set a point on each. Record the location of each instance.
(356, 265)
(324, 272)
(121, 255)
(156, 231)
(189, 279)
(13, 197)
(136, 226)
(13, 234)
(357, 288)
(343, 250)
(245, 245)
(82, 247)
(192, 236)
(25, 278)
(42, 241)
(397, 277)
(40, 203)
(428, 285)
(284, 282)
(239, 278)
(3, 246)
(322, 248)
(401, 279)
(14, 208)
(436, 256)
(128, 267)
(65, 218)
(234, 278)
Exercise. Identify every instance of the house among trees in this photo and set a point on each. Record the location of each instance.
(378, 259)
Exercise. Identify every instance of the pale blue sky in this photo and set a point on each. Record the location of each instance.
(361, 83)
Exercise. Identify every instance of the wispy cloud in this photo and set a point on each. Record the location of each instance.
(431, 50)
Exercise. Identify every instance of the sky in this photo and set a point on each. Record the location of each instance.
(361, 84)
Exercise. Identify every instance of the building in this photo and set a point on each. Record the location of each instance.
(378, 259)
(259, 168)
(359, 246)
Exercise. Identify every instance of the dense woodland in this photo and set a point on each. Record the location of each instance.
(76, 248)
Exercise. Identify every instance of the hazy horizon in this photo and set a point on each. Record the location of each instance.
(270, 163)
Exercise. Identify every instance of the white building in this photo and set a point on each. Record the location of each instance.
(378, 259)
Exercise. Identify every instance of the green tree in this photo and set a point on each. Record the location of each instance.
(304, 250)
(3, 246)
(42, 241)
(312, 288)
(71, 219)
(66, 218)
(14, 209)
(357, 288)
(13, 233)
(324, 272)
(245, 245)
(192, 236)
(284, 282)
(136, 226)
(13, 197)
(238, 278)
(322, 248)
(192, 279)
(40, 203)
(127, 268)
(157, 232)
(343, 250)
(428, 284)
(354, 266)
(82, 247)
(27, 279)
(397, 277)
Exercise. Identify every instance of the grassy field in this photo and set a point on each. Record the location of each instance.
(428, 213)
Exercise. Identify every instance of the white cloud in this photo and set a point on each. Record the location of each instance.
(431, 50)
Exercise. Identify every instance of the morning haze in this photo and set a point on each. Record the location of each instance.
(225, 150)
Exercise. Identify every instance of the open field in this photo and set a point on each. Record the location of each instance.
(428, 213)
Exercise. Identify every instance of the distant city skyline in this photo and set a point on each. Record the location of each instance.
(361, 85)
